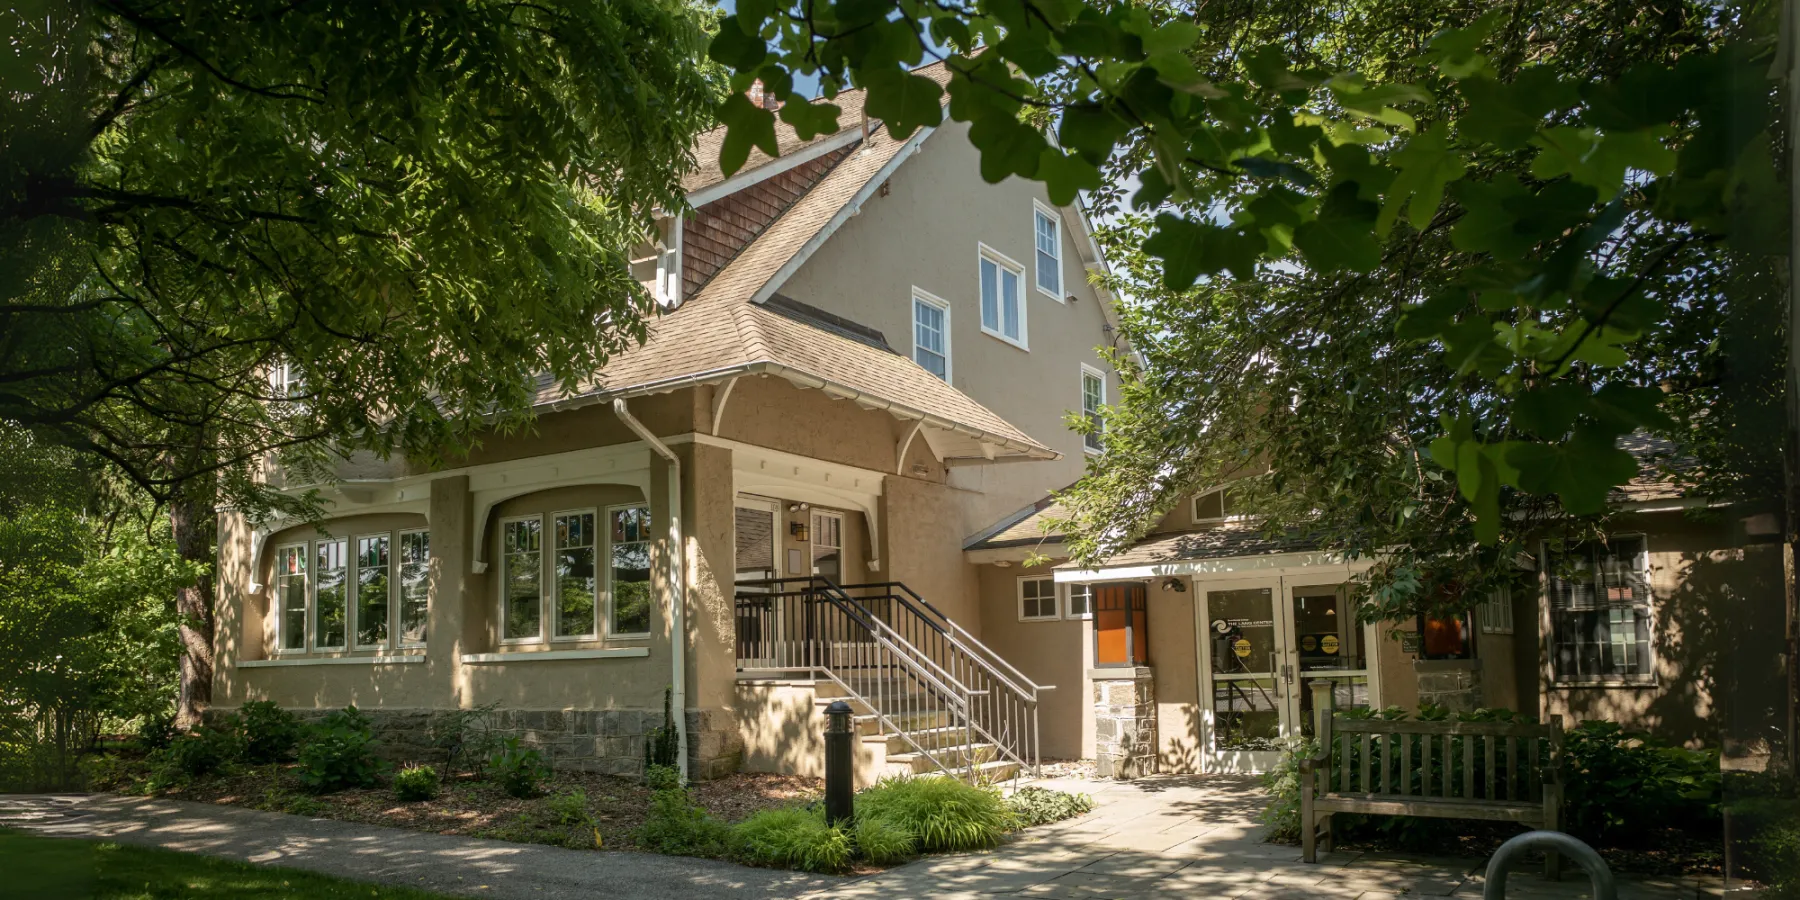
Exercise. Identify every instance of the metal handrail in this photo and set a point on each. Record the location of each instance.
(957, 630)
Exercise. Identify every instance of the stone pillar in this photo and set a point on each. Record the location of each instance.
(1451, 683)
(1124, 722)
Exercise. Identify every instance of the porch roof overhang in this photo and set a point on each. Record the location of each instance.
(1218, 553)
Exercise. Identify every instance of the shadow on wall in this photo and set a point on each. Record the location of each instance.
(1179, 754)
(1718, 641)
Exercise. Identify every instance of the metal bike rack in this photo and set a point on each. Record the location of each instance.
(1549, 841)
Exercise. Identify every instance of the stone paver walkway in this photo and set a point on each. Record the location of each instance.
(1181, 836)
(469, 867)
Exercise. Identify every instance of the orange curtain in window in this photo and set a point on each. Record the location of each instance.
(1120, 636)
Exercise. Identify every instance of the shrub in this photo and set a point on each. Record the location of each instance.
(1618, 786)
(156, 730)
(678, 826)
(339, 752)
(662, 778)
(1770, 829)
(660, 744)
(466, 737)
(792, 837)
(197, 754)
(881, 842)
(519, 770)
(1282, 815)
(943, 814)
(270, 732)
(415, 783)
(1039, 806)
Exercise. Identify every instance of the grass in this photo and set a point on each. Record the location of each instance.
(69, 869)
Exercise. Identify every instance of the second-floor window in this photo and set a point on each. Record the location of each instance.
(1046, 232)
(1002, 305)
(931, 334)
(1093, 397)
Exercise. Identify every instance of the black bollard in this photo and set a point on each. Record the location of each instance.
(840, 764)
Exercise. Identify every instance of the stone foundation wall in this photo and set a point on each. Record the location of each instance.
(606, 741)
(1124, 723)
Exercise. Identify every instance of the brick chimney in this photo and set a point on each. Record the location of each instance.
(761, 97)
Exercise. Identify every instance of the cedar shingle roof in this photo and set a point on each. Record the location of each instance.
(722, 332)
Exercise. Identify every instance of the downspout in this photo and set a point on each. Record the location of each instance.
(677, 583)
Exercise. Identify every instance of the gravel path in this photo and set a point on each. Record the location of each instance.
(468, 867)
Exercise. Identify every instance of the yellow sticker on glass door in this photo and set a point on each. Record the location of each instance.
(1241, 647)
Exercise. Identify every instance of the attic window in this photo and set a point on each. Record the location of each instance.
(1215, 507)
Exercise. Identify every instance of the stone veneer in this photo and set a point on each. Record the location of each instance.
(1451, 683)
(1124, 722)
(606, 741)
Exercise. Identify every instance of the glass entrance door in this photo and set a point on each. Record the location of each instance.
(1329, 646)
(1242, 646)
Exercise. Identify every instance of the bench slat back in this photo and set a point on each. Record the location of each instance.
(1498, 763)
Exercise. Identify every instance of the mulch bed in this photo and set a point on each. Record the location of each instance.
(477, 808)
(1671, 851)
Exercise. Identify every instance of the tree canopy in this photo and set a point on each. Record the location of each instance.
(1569, 159)
(411, 213)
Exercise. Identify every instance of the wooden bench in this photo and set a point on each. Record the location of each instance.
(1494, 771)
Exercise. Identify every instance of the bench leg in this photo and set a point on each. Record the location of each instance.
(1309, 838)
(1327, 833)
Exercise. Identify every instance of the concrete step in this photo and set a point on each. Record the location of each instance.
(993, 772)
(931, 738)
(952, 755)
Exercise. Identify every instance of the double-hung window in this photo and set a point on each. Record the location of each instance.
(1093, 397)
(331, 594)
(628, 545)
(1046, 232)
(1081, 601)
(415, 586)
(373, 596)
(931, 334)
(521, 579)
(290, 596)
(576, 581)
(1002, 303)
(1037, 598)
(1600, 611)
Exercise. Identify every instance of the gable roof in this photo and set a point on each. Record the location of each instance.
(727, 329)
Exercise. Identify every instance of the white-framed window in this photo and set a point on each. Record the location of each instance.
(1215, 507)
(331, 593)
(522, 579)
(931, 333)
(1081, 602)
(290, 599)
(285, 381)
(828, 545)
(373, 589)
(1600, 618)
(628, 576)
(1046, 238)
(1496, 613)
(1002, 301)
(415, 586)
(1093, 398)
(576, 585)
(1037, 598)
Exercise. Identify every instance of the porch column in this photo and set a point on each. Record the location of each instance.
(1124, 721)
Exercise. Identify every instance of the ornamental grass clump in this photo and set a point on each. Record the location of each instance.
(792, 837)
(416, 783)
(943, 814)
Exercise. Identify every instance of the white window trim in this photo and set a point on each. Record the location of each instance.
(554, 594)
(1087, 370)
(608, 582)
(394, 625)
(983, 251)
(1548, 623)
(312, 597)
(355, 593)
(921, 295)
(1495, 613)
(500, 592)
(813, 537)
(1062, 282)
(1194, 509)
(1065, 600)
(1055, 599)
(306, 583)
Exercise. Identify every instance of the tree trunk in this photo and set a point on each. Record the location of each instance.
(195, 525)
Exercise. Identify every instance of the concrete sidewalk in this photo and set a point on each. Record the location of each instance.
(469, 867)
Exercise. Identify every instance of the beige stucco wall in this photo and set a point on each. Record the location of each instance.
(1056, 653)
(1717, 620)
(1172, 656)
(866, 272)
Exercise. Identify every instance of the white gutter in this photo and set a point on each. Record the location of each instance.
(677, 583)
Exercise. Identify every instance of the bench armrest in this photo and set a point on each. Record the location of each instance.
(1313, 763)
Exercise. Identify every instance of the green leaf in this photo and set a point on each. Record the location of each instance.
(746, 125)
(1599, 161)
(1343, 235)
(1426, 166)
(906, 102)
(1190, 249)
(1268, 66)
(1065, 176)
(1507, 114)
(1580, 472)
(1093, 130)
(1008, 147)
(810, 119)
(734, 48)
(1457, 51)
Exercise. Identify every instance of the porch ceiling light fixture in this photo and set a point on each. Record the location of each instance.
(1174, 584)
(1003, 563)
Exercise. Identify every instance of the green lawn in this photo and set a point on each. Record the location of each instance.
(66, 869)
